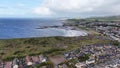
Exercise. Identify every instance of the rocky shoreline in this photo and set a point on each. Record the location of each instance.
(60, 27)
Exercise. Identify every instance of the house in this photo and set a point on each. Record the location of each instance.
(8, 65)
(92, 56)
(42, 58)
(15, 62)
(80, 65)
(68, 56)
(15, 66)
(90, 61)
(80, 54)
(29, 60)
(36, 59)
(1, 64)
(22, 62)
(56, 60)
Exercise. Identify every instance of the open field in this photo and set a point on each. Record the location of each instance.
(48, 45)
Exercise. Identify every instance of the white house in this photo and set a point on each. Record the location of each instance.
(80, 65)
(90, 61)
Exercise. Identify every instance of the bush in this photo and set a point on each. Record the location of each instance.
(53, 50)
(10, 58)
(44, 64)
(84, 58)
(116, 43)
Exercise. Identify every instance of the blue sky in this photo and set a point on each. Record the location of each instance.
(58, 8)
(18, 8)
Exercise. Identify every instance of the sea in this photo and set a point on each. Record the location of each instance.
(26, 28)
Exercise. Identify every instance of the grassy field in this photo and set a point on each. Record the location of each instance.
(48, 45)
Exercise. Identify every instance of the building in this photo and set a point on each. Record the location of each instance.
(90, 61)
(80, 65)
(29, 60)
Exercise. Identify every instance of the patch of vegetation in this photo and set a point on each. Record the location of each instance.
(52, 50)
(84, 58)
(50, 64)
(70, 63)
(116, 43)
(12, 48)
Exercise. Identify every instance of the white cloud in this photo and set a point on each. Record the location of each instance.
(42, 11)
(81, 7)
(73, 5)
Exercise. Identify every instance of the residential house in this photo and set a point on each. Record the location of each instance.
(80, 65)
(29, 60)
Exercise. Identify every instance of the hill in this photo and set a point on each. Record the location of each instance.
(106, 18)
(12, 48)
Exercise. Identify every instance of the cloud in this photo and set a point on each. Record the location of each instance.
(61, 8)
(79, 7)
(73, 5)
(42, 11)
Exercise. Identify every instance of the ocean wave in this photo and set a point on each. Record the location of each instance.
(74, 33)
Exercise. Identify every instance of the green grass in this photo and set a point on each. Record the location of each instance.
(49, 45)
(50, 64)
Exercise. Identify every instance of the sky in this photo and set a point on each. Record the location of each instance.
(58, 8)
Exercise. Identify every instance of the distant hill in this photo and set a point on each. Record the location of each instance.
(74, 21)
(106, 18)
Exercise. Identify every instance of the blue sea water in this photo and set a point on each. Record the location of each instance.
(25, 28)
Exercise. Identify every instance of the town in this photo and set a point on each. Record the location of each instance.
(95, 55)
(89, 56)
(59, 33)
(109, 28)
